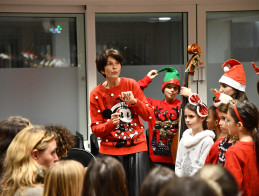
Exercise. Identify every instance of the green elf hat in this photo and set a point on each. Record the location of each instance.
(171, 77)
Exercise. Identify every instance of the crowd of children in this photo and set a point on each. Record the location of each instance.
(218, 153)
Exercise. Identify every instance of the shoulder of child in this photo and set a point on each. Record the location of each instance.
(210, 133)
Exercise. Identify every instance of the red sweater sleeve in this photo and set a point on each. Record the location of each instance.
(142, 107)
(213, 156)
(144, 82)
(99, 126)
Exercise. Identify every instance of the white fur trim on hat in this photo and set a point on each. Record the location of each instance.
(232, 83)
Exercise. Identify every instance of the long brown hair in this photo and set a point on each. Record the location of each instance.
(248, 113)
(105, 176)
(240, 96)
(9, 127)
(155, 180)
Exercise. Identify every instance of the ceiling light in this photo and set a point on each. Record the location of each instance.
(164, 18)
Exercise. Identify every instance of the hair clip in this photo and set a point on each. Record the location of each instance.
(195, 100)
(220, 97)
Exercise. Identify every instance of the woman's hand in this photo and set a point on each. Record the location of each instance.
(152, 74)
(128, 97)
(115, 117)
(186, 92)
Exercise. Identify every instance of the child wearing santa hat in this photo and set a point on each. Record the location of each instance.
(233, 81)
(163, 130)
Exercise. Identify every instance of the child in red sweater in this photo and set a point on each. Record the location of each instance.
(242, 159)
(219, 148)
(163, 129)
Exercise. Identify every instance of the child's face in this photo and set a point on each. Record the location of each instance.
(170, 91)
(222, 122)
(211, 122)
(232, 125)
(192, 120)
(228, 90)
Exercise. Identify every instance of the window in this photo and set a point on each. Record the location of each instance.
(142, 38)
(43, 69)
(147, 41)
(38, 41)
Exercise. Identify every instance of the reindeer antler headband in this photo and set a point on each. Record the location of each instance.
(202, 110)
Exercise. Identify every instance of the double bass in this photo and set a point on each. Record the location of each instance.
(192, 64)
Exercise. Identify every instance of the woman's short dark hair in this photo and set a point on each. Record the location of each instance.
(101, 60)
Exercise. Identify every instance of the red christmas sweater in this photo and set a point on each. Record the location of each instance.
(128, 136)
(242, 163)
(213, 156)
(163, 129)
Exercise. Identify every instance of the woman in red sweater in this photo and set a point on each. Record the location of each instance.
(116, 106)
(242, 159)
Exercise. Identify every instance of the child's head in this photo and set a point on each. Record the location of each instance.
(171, 90)
(243, 119)
(222, 113)
(171, 83)
(155, 180)
(212, 119)
(105, 176)
(64, 178)
(233, 81)
(243, 115)
(195, 112)
(234, 93)
(220, 179)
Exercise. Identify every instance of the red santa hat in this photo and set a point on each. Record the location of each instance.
(234, 75)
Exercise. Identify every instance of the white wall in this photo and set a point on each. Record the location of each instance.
(32, 92)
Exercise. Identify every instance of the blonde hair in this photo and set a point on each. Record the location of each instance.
(21, 170)
(220, 179)
(64, 178)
